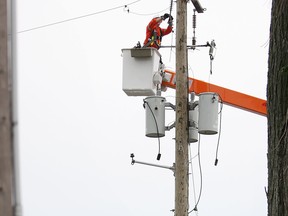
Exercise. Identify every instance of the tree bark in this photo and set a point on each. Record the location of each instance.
(6, 162)
(277, 109)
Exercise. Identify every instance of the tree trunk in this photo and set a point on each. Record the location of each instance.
(6, 162)
(277, 108)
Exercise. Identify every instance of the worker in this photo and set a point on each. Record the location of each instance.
(154, 33)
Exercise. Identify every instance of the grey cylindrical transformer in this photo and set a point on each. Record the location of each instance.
(155, 116)
(208, 113)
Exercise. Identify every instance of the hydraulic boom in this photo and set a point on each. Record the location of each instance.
(229, 97)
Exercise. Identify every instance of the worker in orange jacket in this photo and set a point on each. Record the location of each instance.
(154, 33)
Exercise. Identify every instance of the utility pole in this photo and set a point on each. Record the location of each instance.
(6, 149)
(182, 112)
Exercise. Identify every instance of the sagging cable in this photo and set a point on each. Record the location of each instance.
(157, 128)
(201, 180)
(219, 135)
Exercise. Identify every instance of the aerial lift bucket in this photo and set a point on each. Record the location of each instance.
(139, 68)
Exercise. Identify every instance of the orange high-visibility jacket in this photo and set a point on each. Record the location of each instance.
(153, 27)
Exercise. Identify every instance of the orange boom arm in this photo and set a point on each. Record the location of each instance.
(229, 97)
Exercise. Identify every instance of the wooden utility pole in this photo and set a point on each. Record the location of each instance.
(182, 134)
(6, 159)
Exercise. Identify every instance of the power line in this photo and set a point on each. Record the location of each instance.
(192, 174)
(201, 179)
(79, 17)
(145, 14)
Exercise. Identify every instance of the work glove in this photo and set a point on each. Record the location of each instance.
(165, 16)
(170, 20)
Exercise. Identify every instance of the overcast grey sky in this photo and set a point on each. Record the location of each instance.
(77, 127)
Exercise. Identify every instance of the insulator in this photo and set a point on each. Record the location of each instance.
(193, 41)
(194, 27)
(194, 21)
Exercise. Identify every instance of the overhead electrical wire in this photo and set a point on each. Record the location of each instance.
(157, 128)
(79, 17)
(220, 129)
(192, 174)
(144, 14)
(195, 209)
(171, 8)
(201, 179)
(172, 39)
(149, 14)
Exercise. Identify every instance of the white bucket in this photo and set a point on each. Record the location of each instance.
(139, 67)
(208, 113)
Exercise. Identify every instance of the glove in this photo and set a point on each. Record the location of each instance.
(171, 18)
(165, 16)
